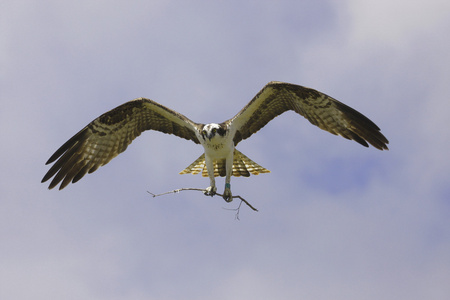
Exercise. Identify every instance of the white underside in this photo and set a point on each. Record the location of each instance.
(218, 148)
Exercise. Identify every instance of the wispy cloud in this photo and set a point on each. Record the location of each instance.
(336, 220)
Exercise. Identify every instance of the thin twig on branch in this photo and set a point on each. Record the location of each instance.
(204, 191)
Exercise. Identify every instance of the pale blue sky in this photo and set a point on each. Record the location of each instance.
(336, 220)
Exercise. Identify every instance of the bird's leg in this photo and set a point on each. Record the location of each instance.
(227, 196)
(212, 189)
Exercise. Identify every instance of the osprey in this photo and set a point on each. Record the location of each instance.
(111, 133)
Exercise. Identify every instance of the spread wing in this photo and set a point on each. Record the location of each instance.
(110, 134)
(319, 109)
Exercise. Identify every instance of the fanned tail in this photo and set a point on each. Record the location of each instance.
(242, 166)
(196, 167)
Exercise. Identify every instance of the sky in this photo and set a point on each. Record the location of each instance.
(335, 221)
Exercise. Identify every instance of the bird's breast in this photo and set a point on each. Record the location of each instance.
(215, 147)
(218, 150)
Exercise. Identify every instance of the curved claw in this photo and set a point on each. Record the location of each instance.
(227, 196)
(210, 191)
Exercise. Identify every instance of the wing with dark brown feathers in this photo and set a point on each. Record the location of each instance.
(110, 134)
(319, 109)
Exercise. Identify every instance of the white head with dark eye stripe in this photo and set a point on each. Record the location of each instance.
(212, 130)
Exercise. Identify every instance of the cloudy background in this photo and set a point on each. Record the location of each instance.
(335, 221)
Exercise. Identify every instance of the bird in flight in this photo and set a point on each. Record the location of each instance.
(111, 133)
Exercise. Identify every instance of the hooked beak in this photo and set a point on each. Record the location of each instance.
(208, 136)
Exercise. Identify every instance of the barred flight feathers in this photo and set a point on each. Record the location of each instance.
(110, 134)
(321, 110)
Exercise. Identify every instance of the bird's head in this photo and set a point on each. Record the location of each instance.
(212, 130)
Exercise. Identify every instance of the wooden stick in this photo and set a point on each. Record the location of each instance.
(204, 191)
